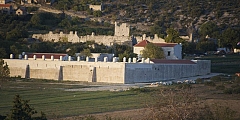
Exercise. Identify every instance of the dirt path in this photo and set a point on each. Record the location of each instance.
(135, 114)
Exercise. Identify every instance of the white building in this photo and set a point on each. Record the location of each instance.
(171, 50)
(4, 1)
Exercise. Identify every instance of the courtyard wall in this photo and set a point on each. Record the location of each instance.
(107, 72)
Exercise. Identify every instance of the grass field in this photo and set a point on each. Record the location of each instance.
(51, 98)
(229, 64)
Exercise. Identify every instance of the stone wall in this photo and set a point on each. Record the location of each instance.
(106, 40)
(144, 72)
(122, 30)
(203, 66)
(121, 36)
(71, 37)
(107, 72)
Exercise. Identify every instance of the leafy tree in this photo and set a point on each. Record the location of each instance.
(4, 70)
(173, 36)
(127, 55)
(86, 53)
(189, 47)
(97, 13)
(153, 51)
(208, 28)
(156, 29)
(65, 23)
(205, 46)
(23, 111)
(230, 37)
(36, 20)
(14, 50)
(2, 52)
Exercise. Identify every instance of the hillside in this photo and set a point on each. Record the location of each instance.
(219, 20)
(179, 14)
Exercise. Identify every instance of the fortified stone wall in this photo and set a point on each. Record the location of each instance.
(158, 72)
(106, 40)
(76, 73)
(121, 36)
(108, 72)
(71, 37)
(122, 30)
(67, 70)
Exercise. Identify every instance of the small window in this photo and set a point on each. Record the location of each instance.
(169, 52)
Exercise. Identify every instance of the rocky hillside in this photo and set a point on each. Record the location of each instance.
(179, 14)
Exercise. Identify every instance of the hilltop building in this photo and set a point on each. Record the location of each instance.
(96, 7)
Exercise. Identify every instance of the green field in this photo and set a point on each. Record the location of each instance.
(229, 64)
(51, 98)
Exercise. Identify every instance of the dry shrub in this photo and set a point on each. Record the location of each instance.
(182, 104)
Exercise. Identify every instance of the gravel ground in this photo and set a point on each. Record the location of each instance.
(123, 87)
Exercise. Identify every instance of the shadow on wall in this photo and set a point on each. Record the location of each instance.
(60, 75)
(27, 73)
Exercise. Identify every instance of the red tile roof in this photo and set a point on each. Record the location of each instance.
(164, 61)
(166, 44)
(142, 43)
(145, 42)
(47, 55)
(5, 5)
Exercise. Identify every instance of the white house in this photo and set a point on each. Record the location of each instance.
(171, 50)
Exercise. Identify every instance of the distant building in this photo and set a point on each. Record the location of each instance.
(26, 2)
(44, 1)
(5, 1)
(6, 8)
(47, 56)
(21, 11)
(171, 50)
(96, 7)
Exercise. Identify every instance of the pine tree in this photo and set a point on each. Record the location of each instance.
(23, 111)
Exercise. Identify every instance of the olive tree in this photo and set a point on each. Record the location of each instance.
(152, 51)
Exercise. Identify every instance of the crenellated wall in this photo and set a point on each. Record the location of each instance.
(107, 72)
(121, 36)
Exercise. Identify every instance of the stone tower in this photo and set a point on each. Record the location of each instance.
(122, 30)
(2, 2)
